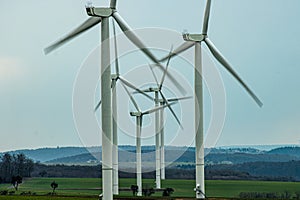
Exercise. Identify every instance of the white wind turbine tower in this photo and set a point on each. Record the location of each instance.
(197, 39)
(114, 79)
(139, 122)
(102, 15)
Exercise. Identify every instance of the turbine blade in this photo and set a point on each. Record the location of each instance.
(143, 90)
(97, 106)
(113, 4)
(132, 37)
(136, 41)
(184, 46)
(179, 98)
(116, 49)
(135, 88)
(206, 17)
(227, 66)
(89, 23)
(171, 109)
(154, 75)
(166, 70)
(131, 97)
(156, 109)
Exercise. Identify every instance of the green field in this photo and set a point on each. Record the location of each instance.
(183, 188)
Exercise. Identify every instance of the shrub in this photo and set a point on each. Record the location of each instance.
(148, 192)
(297, 195)
(167, 192)
(3, 192)
(26, 193)
(134, 189)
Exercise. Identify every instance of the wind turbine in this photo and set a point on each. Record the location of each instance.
(196, 40)
(102, 15)
(159, 135)
(139, 122)
(115, 78)
(158, 92)
(160, 151)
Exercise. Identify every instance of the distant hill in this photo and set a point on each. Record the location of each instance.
(287, 170)
(81, 155)
(289, 151)
(261, 147)
(237, 158)
(46, 154)
(148, 155)
(216, 156)
(81, 159)
(247, 150)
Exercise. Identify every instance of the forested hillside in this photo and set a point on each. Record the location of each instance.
(231, 163)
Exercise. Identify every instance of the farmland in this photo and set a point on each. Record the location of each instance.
(83, 187)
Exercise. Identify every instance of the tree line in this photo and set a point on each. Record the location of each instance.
(12, 166)
(211, 173)
(19, 165)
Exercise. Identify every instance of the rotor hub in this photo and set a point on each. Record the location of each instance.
(115, 76)
(154, 89)
(136, 114)
(194, 37)
(99, 12)
(162, 101)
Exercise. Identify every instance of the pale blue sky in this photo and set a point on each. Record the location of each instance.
(260, 39)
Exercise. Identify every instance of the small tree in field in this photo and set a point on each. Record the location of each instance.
(54, 186)
(15, 181)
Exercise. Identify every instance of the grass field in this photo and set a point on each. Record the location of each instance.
(183, 188)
